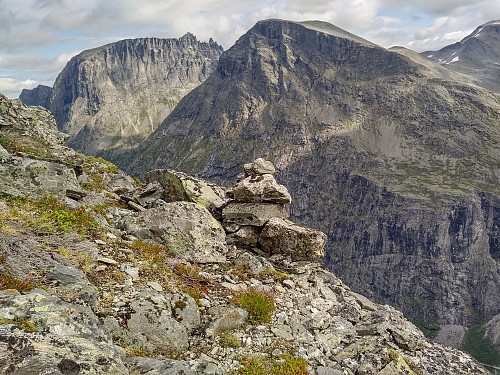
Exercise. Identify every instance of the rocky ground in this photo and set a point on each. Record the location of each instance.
(102, 274)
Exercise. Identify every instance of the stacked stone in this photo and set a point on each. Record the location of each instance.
(257, 216)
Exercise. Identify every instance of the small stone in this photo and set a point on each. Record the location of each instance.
(132, 272)
(155, 286)
(100, 242)
(107, 261)
(289, 284)
(100, 268)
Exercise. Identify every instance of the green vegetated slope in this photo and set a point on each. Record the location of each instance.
(397, 159)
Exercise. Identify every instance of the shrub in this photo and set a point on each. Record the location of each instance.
(282, 365)
(229, 340)
(192, 282)
(258, 302)
(55, 216)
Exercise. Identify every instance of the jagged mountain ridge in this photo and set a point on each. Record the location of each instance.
(39, 95)
(477, 55)
(109, 305)
(383, 151)
(110, 98)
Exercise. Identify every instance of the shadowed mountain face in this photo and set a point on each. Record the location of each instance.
(394, 157)
(477, 55)
(110, 98)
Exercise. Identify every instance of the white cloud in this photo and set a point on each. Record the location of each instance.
(11, 87)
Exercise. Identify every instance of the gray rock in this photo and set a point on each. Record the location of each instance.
(322, 370)
(255, 214)
(258, 167)
(280, 236)
(246, 236)
(162, 366)
(121, 184)
(63, 339)
(32, 177)
(227, 320)
(179, 186)
(252, 262)
(186, 311)
(72, 282)
(260, 188)
(151, 321)
(187, 229)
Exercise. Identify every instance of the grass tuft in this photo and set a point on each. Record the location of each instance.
(258, 302)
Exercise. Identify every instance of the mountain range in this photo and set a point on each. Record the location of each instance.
(393, 156)
(477, 55)
(110, 98)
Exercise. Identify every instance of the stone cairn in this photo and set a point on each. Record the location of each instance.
(256, 216)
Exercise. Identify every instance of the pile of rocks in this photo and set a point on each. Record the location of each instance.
(257, 216)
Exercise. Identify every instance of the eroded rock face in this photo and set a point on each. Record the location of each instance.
(64, 338)
(281, 236)
(110, 98)
(185, 228)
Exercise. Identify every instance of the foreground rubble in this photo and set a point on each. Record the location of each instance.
(154, 288)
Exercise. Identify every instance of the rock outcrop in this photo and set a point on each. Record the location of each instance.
(391, 155)
(40, 95)
(93, 298)
(110, 98)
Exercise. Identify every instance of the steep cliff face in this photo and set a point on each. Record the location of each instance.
(394, 157)
(110, 98)
(476, 55)
(40, 95)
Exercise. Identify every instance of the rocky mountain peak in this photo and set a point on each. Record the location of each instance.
(109, 98)
(476, 55)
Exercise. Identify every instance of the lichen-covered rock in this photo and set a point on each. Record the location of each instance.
(165, 366)
(32, 177)
(254, 214)
(41, 334)
(187, 229)
(281, 236)
(261, 188)
(152, 322)
(179, 186)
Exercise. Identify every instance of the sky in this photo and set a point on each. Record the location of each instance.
(38, 37)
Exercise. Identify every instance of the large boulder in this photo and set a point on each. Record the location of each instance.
(186, 229)
(281, 236)
(152, 321)
(179, 186)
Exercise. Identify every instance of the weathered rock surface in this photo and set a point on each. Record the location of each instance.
(186, 229)
(110, 98)
(179, 186)
(390, 155)
(260, 188)
(281, 236)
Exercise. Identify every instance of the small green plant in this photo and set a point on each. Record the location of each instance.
(8, 281)
(258, 302)
(282, 365)
(54, 216)
(110, 167)
(192, 282)
(276, 275)
(229, 340)
(20, 322)
(154, 254)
